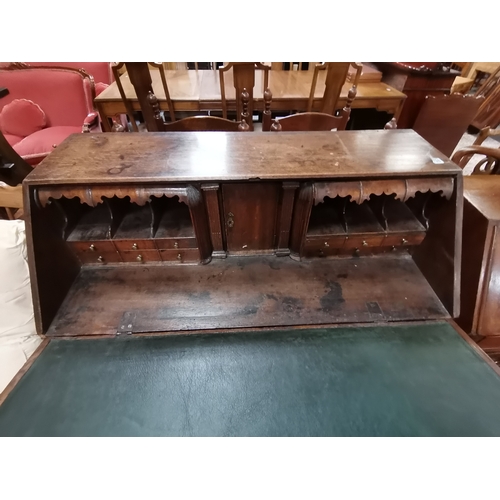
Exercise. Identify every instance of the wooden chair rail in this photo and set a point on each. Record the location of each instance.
(488, 165)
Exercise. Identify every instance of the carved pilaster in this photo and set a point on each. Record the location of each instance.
(213, 210)
(200, 222)
(285, 220)
(301, 216)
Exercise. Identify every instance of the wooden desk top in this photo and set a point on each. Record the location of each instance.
(192, 85)
(211, 156)
(483, 191)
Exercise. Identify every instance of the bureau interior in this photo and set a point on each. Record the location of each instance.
(122, 265)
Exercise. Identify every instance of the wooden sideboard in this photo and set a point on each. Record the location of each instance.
(417, 81)
(480, 294)
(188, 232)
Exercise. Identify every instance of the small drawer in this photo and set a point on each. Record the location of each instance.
(189, 255)
(92, 247)
(140, 256)
(124, 245)
(99, 257)
(403, 239)
(325, 243)
(363, 242)
(174, 243)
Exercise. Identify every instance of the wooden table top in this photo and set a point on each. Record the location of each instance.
(219, 156)
(204, 85)
(483, 191)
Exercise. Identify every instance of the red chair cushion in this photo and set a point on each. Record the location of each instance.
(99, 87)
(13, 139)
(38, 145)
(22, 117)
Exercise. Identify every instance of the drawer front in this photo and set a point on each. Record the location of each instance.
(363, 242)
(92, 247)
(99, 257)
(174, 243)
(124, 245)
(189, 255)
(403, 239)
(323, 246)
(140, 256)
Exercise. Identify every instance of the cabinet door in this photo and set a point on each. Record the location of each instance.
(250, 216)
(489, 314)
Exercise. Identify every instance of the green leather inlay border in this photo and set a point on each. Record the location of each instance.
(419, 380)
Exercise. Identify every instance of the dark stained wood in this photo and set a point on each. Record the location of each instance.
(246, 292)
(336, 76)
(13, 169)
(480, 291)
(310, 121)
(141, 80)
(250, 216)
(202, 123)
(443, 120)
(417, 81)
(179, 157)
(243, 78)
(285, 218)
(379, 207)
(213, 202)
(51, 281)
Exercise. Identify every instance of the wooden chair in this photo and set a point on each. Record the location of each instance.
(13, 169)
(488, 165)
(292, 66)
(489, 112)
(202, 123)
(335, 79)
(484, 134)
(244, 78)
(443, 120)
(309, 121)
(140, 78)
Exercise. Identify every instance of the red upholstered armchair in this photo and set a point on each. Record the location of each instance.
(44, 106)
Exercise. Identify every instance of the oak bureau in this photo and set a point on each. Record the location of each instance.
(185, 232)
(317, 273)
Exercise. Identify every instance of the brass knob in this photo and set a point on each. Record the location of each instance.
(230, 222)
(92, 248)
(404, 241)
(365, 244)
(100, 259)
(326, 244)
(176, 245)
(393, 248)
(134, 246)
(179, 257)
(139, 258)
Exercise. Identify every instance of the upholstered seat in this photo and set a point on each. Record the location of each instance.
(63, 99)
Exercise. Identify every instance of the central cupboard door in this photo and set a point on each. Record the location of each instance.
(250, 216)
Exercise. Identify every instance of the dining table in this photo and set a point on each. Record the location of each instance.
(199, 90)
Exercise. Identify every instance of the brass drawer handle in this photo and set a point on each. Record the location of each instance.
(100, 258)
(176, 245)
(92, 248)
(139, 258)
(134, 246)
(326, 244)
(179, 257)
(404, 241)
(365, 244)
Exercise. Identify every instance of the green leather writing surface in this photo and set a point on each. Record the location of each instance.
(371, 381)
